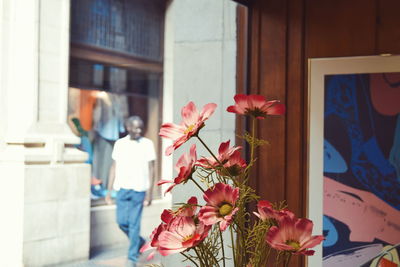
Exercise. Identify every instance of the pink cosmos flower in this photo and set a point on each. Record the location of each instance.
(154, 243)
(184, 167)
(293, 235)
(187, 210)
(228, 156)
(182, 233)
(256, 106)
(221, 205)
(167, 217)
(266, 211)
(192, 122)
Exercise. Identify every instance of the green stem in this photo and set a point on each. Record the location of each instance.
(209, 253)
(253, 134)
(216, 159)
(288, 260)
(222, 246)
(209, 150)
(244, 232)
(238, 249)
(277, 260)
(233, 246)
(252, 148)
(202, 252)
(187, 257)
(199, 257)
(194, 181)
(219, 178)
(266, 257)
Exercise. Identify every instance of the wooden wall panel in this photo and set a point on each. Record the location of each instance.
(272, 84)
(295, 112)
(340, 28)
(388, 27)
(295, 162)
(283, 35)
(253, 74)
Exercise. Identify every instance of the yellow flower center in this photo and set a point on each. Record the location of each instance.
(225, 209)
(189, 129)
(294, 244)
(186, 238)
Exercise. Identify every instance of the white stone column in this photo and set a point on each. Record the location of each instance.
(200, 66)
(35, 182)
(34, 86)
(52, 76)
(20, 68)
(53, 59)
(18, 91)
(11, 206)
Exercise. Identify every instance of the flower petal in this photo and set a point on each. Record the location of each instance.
(161, 182)
(167, 216)
(190, 114)
(192, 154)
(303, 228)
(171, 131)
(207, 111)
(274, 237)
(223, 147)
(277, 109)
(223, 225)
(313, 241)
(145, 247)
(170, 240)
(255, 101)
(235, 109)
(209, 215)
(241, 101)
(308, 252)
(169, 150)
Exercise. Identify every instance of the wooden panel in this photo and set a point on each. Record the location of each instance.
(253, 71)
(295, 160)
(272, 84)
(283, 35)
(268, 78)
(295, 110)
(340, 28)
(389, 26)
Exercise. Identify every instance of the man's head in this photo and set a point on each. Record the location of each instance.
(134, 126)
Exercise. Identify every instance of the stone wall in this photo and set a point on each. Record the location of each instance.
(56, 214)
(104, 232)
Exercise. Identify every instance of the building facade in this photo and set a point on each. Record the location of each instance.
(46, 182)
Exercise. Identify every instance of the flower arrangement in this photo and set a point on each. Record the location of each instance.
(196, 231)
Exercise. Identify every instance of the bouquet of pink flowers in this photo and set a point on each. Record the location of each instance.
(195, 230)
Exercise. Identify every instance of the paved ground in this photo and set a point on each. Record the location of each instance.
(112, 258)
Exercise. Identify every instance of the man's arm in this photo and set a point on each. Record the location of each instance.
(149, 195)
(111, 178)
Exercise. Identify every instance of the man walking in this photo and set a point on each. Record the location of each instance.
(132, 174)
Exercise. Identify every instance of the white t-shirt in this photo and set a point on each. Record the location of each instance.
(132, 159)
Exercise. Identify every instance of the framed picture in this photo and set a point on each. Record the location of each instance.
(354, 158)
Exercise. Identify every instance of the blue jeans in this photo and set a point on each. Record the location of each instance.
(129, 215)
